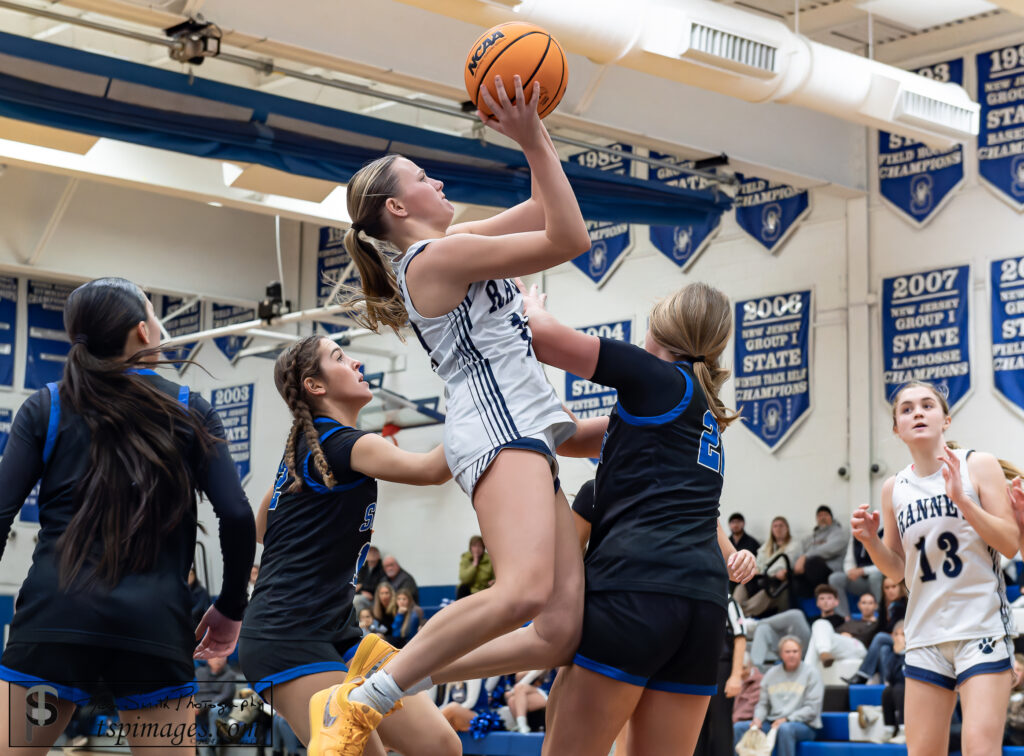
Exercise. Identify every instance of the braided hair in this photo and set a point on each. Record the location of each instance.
(297, 363)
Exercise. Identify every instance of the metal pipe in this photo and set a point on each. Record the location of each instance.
(248, 325)
(269, 67)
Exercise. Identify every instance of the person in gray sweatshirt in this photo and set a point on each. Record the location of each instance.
(792, 695)
(823, 553)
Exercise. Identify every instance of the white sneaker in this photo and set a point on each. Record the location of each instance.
(749, 623)
(899, 737)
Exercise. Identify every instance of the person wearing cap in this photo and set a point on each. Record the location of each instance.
(739, 537)
(823, 552)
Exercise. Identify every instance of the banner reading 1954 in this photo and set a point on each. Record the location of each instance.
(1007, 278)
(924, 330)
(1001, 132)
(773, 388)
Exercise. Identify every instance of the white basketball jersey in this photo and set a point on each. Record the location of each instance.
(956, 586)
(495, 390)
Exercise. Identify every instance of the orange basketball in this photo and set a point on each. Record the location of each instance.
(517, 48)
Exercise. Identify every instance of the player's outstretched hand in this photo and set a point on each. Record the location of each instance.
(742, 566)
(864, 523)
(517, 120)
(1016, 487)
(217, 635)
(533, 299)
(951, 474)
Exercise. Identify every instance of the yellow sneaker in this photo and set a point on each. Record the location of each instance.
(372, 654)
(338, 726)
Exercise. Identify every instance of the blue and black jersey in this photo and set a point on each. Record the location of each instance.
(315, 542)
(147, 612)
(655, 513)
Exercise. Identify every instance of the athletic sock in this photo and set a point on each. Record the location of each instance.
(521, 722)
(380, 691)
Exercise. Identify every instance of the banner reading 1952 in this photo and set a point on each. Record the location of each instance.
(925, 335)
(773, 388)
(1007, 278)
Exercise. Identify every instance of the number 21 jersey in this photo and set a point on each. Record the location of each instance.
(955, 583)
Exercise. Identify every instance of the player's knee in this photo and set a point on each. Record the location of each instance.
(980, 738)
(524, 599)
(440, 741)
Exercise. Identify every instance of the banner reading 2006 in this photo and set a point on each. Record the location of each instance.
(773, 391)
(1008, 329)
(924, 330)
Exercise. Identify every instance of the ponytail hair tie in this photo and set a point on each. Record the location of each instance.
(81, 339)
(356, 227)
(698, 358)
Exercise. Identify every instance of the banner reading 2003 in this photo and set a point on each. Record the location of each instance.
(773, 392)
(1008, 329)
(924, 330)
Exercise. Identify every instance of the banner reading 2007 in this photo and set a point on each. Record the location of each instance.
(1007, 278)
(912, 177)
(773, 388)
(924, 330)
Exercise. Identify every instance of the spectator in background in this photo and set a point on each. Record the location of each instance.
(822, 553)
(475, 569)
(384, 607)
(829, 640)
(755, 597)
(857, 576)
(739, 537)
(715, 737)
(791, 700)
(750, 692)
(199, 595)
(767, 633)
(253, 574)
(369, 625)
(894, 608)
(893, 693)
(367, 579)
(526, 696)
(214, 699)
(399, 578)
(408, 618)
(462, 701)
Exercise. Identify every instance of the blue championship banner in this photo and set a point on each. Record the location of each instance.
(913, 178)
(609, 242)
(234, 405)
(586, 398)
(47, 345)
(682, 244)
(772, 364)
(925, 334)
(183, 323)
(1007, 277)
(8, 328)
(30, 509)
(769, 211)
(1001, 133)
(331, 261)
(225, 315)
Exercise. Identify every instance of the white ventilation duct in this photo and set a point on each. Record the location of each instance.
(726, 50)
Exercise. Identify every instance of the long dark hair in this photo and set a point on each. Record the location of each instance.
(139, 485)
(294, 365)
